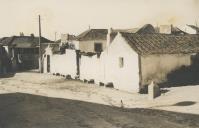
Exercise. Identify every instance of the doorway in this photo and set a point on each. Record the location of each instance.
(48, 63)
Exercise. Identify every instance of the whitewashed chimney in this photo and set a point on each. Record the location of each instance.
(110, 30)
(64, 38)
(67, 37)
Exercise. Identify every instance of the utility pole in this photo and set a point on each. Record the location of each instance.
(40, 56)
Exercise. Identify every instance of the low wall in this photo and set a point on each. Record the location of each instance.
(106, 69)
(92, 67)
(64, 64)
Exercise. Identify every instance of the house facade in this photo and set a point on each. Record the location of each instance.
(92, 40)
(24, 51)
(160, 56)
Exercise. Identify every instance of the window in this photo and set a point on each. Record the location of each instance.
(121, 62)
(98, 47)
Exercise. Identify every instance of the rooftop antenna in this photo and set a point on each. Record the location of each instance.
(158, 31)
(196, 23)
(157, 24)
(55, 36)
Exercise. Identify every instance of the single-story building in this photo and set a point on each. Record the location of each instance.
(134, 60)
(24, 51)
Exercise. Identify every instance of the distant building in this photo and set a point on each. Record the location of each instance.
(94, 40)
(170, 29)
(165, 29)
(24, 50)
(68, 41)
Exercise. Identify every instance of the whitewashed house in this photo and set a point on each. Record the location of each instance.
(130, 61)
(134, 60)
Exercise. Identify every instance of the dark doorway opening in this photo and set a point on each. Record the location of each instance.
(48, 63)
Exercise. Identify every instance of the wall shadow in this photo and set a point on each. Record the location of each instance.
(185, 75)
(20, 110)
(7, 75)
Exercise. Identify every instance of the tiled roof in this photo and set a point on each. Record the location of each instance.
(146, 29)
(145, 44)
(177, 31)
(22, 41)
(93, 34)
(101, 34)
(194, 27)
(71, 37)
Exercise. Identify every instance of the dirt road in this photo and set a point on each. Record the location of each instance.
(19, 110)
(32, 100)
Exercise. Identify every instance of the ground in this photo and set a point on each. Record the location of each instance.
(45, 101)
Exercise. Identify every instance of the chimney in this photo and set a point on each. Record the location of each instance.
(21, 34)
(67, 37)
(172, 32)
(32, 35)
(64, 38)
(110, 30)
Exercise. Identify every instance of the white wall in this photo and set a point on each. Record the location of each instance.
(127, 77)
(92, 68)
(64, 64)
(106, 68)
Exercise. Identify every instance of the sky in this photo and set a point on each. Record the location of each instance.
(75, 16)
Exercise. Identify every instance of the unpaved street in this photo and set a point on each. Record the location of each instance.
(19, 110)
(45, 101)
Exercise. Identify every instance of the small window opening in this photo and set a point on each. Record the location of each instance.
(121, 62)
(98, 47)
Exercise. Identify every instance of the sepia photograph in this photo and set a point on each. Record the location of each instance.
(99, 64)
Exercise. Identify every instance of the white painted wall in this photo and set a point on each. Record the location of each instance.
(106, 68)
(92, 68)
(64, 64)
(127, 77)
